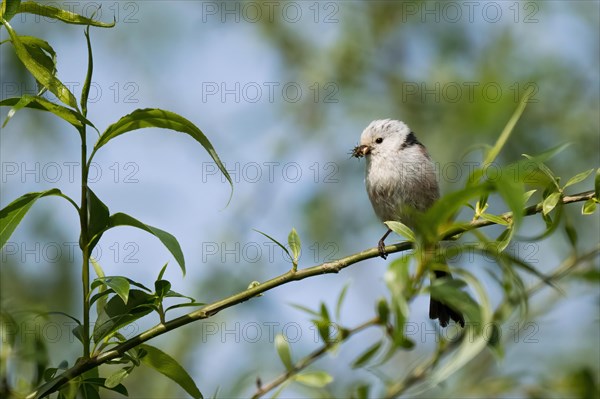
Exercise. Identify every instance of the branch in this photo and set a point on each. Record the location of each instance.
(420, 372)
(209, 310)
(310, 359)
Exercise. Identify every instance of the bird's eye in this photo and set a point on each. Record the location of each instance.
(379, 140)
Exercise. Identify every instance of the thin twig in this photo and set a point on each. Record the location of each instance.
(211, 309)
(310, 359)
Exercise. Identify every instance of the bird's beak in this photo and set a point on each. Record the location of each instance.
(361, 150)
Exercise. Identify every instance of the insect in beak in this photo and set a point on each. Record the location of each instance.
(360, 151)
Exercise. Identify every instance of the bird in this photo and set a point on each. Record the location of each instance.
(400, 179)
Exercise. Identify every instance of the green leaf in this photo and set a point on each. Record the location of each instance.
(100, 382)
(184, 305)
(169, 241)
(294, 243)
(513, 194)
(367, 355)
(153, 117)
(162, 272)
(32, 7)
(39, 72)
(85, 91)
(283, 350)
(40, 103)
(383, 311)
(401, 229)
(315, 379)
(276, 242)
(43, 53)
(550, 202)
(528, 195)
(544, 169)
(571, 233)
(117, 314)
(550, 153)
(589, 207)
(120, 286)
(449, 204)
(305, 309)
(325, 313)
(99, 218)
(508, 129)
(578, 178)
(597, 184)
(169, 367)
(9, 9)
(117, 377)
(340, 301)
(12, 214)
(161, 288)
(494, 219)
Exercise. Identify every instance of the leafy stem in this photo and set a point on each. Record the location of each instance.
(311, 358)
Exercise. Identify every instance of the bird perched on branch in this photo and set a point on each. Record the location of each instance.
(400, 178)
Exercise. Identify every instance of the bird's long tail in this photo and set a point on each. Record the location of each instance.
(440, 310)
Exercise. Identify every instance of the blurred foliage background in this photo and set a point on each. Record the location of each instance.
(283, 90)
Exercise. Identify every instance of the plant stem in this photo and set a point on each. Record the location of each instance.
(84, 244)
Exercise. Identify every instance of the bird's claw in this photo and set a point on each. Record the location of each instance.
(381, 248)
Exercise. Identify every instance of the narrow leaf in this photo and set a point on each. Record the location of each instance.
(120, 285)
(294, 243)
(283, 350)
(550, 202)
(117, 314)
(116, 378)
(40, 103)
(340, 301)
(32, 7)
(508, 129)
(528, 195)
(99, 218)
(85, 91)
(170, 242)
(169, 367)
(276, 242)
(401, 229)
(39, 72)
(315, 379)
(305, 309)
(153, 117)
(43, 53)
(597, 184)
(494, 219)
(162, 272)
(589, 207)
(13, 213)
(578, 178)
(9, 9)
(367, 355)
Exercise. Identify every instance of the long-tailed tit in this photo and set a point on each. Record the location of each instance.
(400, 178)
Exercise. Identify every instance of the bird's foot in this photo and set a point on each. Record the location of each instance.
(381, 248)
